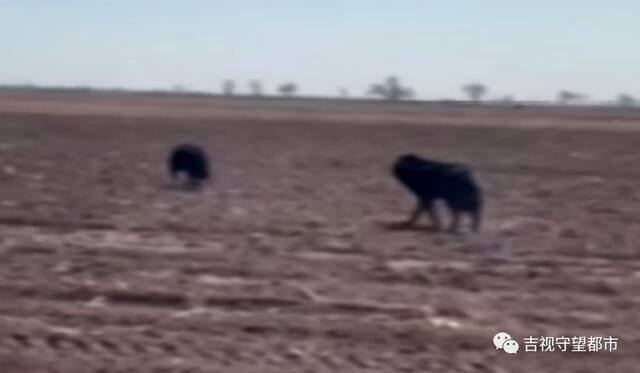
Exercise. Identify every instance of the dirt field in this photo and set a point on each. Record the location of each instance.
(286, 264)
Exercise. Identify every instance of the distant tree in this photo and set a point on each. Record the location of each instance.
(510, 101)
(343, 92)
(475, 91)
(256, 87)
(391, 89)
(288, 89)
(228, 87)
(626, 100)
(568, 97)
(507, 99)
(178, 88)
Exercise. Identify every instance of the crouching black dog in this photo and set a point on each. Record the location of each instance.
(431, 180)
(191, 161)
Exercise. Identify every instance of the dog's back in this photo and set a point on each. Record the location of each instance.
(430, 180)
(191, 160)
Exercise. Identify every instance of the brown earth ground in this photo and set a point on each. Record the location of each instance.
(286, 263)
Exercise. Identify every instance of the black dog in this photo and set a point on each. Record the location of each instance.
(189, 160)
(431, 180)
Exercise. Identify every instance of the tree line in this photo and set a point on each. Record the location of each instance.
(391, 89)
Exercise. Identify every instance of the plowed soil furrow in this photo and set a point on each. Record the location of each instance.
(289, 262)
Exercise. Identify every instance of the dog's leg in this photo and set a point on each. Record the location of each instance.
(193, 184)
(413, 218)
(455, 221)
(476, 220)
(177, 179)
(433, 215)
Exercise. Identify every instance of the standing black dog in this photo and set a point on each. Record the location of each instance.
(191, 161)
(431, 180)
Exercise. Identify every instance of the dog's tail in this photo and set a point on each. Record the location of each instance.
(476, 213)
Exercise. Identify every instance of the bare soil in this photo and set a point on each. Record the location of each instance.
(286, 263)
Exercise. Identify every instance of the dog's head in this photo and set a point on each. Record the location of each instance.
(409, 159)
(408, 166)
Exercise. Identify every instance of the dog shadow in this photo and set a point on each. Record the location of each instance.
(183, 187)
(402, 226)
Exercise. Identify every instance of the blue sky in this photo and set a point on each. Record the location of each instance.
(529, 49)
